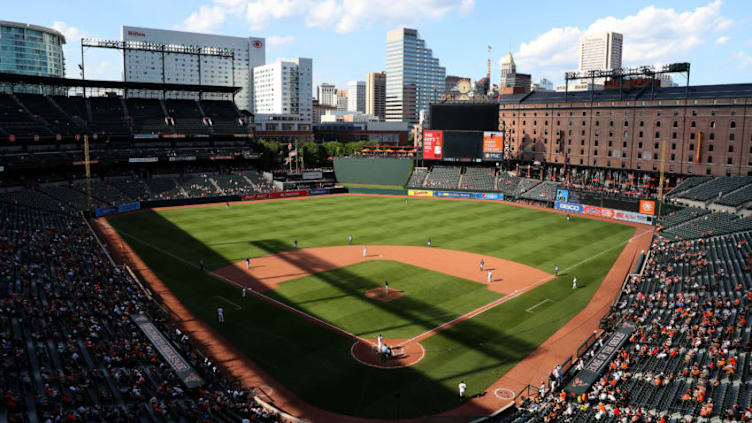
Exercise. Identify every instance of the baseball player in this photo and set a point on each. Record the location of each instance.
(490, 276)
(220, 315)
(350, 239)
(386, 287)
(568, 218)
(556, 270)
(243, 294)
(574, 283)
(201, 264)
(429, 242)
(482, 262)
(380, 341)
(462, 387)
(296, 243)
(365, 251)
(247, 263)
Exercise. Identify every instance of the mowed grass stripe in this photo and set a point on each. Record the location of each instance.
(314, 362)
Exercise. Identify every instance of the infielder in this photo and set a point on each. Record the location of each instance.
(243, 294)
(365, 251)
(462, 387)
(490, 276)
(350, 239)
(220, 315)
(386, 287)
(429, 242)
(380, 341)
(482, 262)
(574, 283)
(247, 263)
(556, 270)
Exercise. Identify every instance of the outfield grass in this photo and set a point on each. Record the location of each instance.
(430, 298)
(315, 362)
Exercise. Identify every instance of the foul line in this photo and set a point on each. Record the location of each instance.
(254, 292)
(547, 300)
(228, 301)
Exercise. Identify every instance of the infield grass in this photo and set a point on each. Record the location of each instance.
(314, 362)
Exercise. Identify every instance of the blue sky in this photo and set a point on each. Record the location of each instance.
(346, 38)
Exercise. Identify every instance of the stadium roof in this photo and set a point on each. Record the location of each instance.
(51, 81)
(644, 93)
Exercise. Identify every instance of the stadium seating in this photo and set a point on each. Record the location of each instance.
(713, 188)
(514, 186)
(683, 215)
(713, 223)
(688, 183)
(163, 188)
(108, 117)
(71, 352)
(57, 120)
(478, 178)
(234, 184)
(443, 177)
(737, 198)
(187, 116)
(224, 117)
(689, 357)
(544, 191)
(14, 120)
(196, 186)
(147, 116)
(75, 107)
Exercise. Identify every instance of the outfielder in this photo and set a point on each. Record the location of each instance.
(365, 251)
(350, 239)
(429, 242)
(386, 287)
(556, 270)
(296, 243)
(574, 283)
(247, 263)
(220, 315)
(462, 387)
(380, 341)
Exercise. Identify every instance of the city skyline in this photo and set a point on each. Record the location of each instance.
(347, 42)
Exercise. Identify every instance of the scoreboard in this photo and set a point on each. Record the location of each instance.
(599, 200)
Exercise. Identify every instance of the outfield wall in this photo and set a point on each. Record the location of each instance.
(372, 171)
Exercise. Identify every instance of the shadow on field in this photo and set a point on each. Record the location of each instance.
(311, 360)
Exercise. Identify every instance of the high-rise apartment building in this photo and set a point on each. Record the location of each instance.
(326, 94)
(341, 99)
(356, 98)
(31, 50)
(376, 94)
(413, 76)
(180, 68)
(600, 52)
(285, 88)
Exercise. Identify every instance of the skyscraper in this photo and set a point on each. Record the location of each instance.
(376, 94)
(31, 50)
(600, 52)
(413, 76)
(327, 94)
(511, 81)
(284, 88)
(356, 99)
(145, 66)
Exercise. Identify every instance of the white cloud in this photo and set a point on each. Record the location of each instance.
(651, 35)
(72, 47)
(744, 60)
(205, 19)
(722, 40)
(341, 15)
(279, 40)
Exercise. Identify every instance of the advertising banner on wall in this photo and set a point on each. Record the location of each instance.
(105, 211)
(318, 191)
(314, 174)
(249, 197)
(433, 145)
(129, 207)
(562, 195)
(628, 216)
(493, 146)
(489, 196)
(569, 207)
(419, 193)
(453, 194)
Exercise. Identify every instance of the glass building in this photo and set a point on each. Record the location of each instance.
(31, 50)
(413, 76)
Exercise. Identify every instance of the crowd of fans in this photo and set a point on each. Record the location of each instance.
(690, 355)
(70, 351)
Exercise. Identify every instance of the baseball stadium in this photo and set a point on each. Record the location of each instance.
(163, 261)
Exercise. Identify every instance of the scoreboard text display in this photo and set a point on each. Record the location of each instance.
(493, 146)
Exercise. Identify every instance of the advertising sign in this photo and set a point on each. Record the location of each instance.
(493, 146)
(105, 211)
(647, 207)
(145, 136)
(562, 195)
(452, 194)
(142, 160)
(433, 145)
(569, 207)
(319, 191)
(585, 378)
(183, 158)
(489, 196)
(129, 207)
(419, 193)
(315, 174)
(632, 217)
(288, 194)
(248, 197)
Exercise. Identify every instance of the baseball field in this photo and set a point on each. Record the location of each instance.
(309, 308)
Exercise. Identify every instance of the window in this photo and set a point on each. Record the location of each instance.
(692, 124)
(691, 147)
(626, 123)
(639, 145)
(730, 160)
(673, 146)
(731, 149)
(711, 136)
(658, 124)
(626, 134)
(657, 134)
(611, 123)
(691, 135)
(673, 135)
(710, 159)
(640, 135)
(642, 123)
(710, 147)
(731, 137)
(676, 124)
(712, 124)
(732, 124)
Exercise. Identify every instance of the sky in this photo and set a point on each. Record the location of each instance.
(347, 38)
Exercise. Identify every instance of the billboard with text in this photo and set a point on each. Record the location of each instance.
(493, 146)
(433, 145)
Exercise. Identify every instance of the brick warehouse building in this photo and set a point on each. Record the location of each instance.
(707, 129)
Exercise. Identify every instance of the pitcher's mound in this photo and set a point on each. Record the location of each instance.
(380, 294)
(403, 354)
